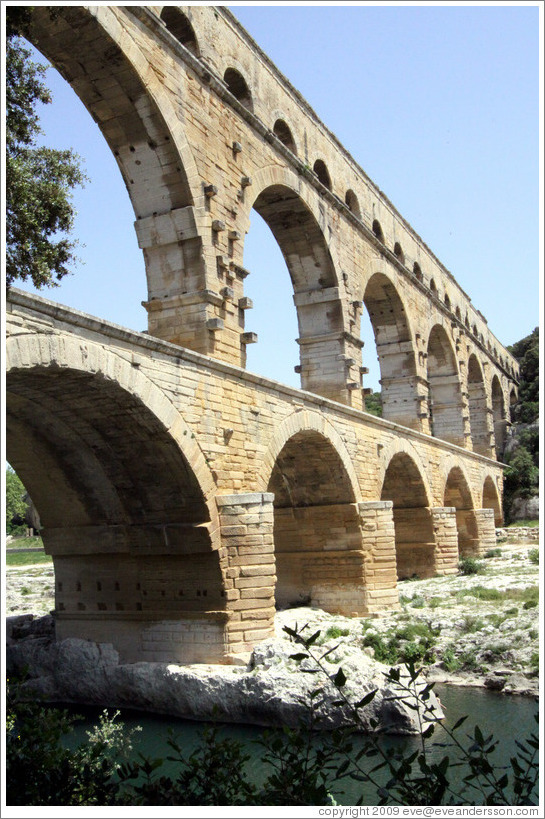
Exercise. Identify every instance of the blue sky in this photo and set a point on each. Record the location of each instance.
(439, 104)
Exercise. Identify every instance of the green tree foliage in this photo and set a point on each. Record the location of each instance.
(526, 351)
(522, 476)
(39, 180)
(16, 505)
(373, 404)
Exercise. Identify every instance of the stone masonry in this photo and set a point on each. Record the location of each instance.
(183, 498)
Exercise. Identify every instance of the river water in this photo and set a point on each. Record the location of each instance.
(508, 718)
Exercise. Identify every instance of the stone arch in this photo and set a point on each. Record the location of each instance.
(125, 497)
(433, 288)
(417, 272)
(282, 130)
(140, 126)
(377, 230)
(317, 532)
(320, 310)
(37, 356)
(491, 500)
(444, 396)
(498, 415)
(478, 407)
(352, 202)
(458, 494)
(306, 421)
(395, 349)
(403, 484)
(180, 27)
(513, 398)
(238, 87)
(398, 253)
(447, 301)
(321, 171)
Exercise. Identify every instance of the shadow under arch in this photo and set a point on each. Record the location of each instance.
(457, 494)
(125, 511)
(491, 500)
(320, 312)
(444, 390)
(395, 351)
(141, 129)
(478, 407)
(403, 484)
(499, 416)
(317, 532)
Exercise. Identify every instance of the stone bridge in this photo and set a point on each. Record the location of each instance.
(182, 497)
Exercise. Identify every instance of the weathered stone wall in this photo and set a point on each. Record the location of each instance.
(179, 489)
(181, 497)
(518, 533)
(205, 128)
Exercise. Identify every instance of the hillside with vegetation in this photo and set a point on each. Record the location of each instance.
(522, 447)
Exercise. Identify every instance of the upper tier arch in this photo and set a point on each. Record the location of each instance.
(193, 142)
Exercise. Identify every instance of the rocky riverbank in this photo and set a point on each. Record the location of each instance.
(477, 629)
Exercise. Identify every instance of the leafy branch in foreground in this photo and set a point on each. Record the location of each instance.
(416, 779)
(300, 766)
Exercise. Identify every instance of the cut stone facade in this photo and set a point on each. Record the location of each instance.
(183, 498)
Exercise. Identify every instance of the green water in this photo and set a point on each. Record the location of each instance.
(508, 718)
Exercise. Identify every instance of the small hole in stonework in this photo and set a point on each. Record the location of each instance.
(101, 606)
(139, 607)
(119, 607)
(81, 607)
(132, 149)
(78, 586)
(59, 586)
(204, 593)
(162, 592)
(181, 592)
(61, 606)
(198, 593)
(99, 586)
(138, 587)
(116, 586)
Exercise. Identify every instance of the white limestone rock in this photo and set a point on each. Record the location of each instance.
(271, 691)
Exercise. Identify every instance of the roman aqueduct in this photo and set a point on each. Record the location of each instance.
(182, 497)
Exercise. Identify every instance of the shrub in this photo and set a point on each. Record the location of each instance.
(468, 565)
(529, 604)
(471, 624)
(450, 661)
(493, 553)
(533, 556)
(385, 650)
(334, 632)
